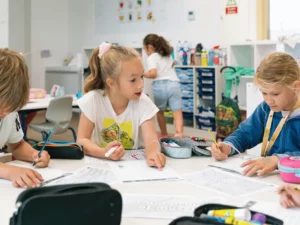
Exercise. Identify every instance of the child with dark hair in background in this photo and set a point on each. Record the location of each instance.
(166, 87)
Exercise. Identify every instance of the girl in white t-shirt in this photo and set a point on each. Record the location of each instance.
(115, 112)
(166, 87)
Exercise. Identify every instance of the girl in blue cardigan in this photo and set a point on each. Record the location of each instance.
(276, 121)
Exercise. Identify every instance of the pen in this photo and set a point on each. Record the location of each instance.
(214, 140)
(42, 149)
(111, 151)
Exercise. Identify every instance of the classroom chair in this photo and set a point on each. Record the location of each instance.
(58, 116)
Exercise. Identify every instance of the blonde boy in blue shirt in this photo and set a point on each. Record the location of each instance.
(14, 94)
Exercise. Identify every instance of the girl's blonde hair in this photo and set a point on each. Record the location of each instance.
(108, 66)
(277, 68)
(14, 80)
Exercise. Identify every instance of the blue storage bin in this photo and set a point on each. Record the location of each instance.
(206, 81)
(188, 109)
(206, 126)
(202, 109)
(205, 119)
(206, 72)
(206, 96)
(207, 88)
(187, 94)
(187, 86)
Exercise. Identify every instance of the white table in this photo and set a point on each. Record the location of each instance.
(8, 194)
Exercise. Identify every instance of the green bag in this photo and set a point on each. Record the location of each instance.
(228, 118)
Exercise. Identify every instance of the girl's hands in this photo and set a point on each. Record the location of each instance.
(289, 196)
(221, 153)
(156, 159)
(263, 165)
(23, 177)
(118, 153)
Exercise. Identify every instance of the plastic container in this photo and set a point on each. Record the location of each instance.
(204, 61)
(289, 168)
(211, 57)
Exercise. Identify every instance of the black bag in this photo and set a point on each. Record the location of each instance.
(204, 221)
(75, 204)
(62, 150)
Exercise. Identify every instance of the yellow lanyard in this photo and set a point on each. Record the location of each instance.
(265, 146)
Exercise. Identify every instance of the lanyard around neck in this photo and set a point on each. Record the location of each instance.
(267, 146)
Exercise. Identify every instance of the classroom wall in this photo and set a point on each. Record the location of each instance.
(49, 31)
(3, 23)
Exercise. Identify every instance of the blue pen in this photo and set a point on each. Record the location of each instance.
(42, 149)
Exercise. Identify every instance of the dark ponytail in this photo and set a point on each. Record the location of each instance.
(160, 44)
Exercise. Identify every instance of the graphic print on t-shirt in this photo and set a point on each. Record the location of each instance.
(122, 132)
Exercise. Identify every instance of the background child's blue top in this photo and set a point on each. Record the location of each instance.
(251, 131)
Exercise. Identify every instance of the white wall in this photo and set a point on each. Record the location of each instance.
(49, 31)
(205, 29)
(3, 23)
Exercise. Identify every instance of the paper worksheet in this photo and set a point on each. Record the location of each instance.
(162, 206)
(130, 155)
(138, 171)
(86, 175)
(290, 216)
(47, 173)
(232, 164)
(227, 183)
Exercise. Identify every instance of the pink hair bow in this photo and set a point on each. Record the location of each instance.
(103, 47)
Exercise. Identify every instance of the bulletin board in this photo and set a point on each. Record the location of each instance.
(138, 16)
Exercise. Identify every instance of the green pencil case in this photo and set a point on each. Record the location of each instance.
(62, 150)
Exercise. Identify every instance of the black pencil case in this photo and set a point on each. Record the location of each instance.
(62, 150)
(196, 220)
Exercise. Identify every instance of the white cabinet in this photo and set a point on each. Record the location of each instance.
(201, 86)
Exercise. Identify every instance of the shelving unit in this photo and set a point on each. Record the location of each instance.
(250, 54)
(201, 86)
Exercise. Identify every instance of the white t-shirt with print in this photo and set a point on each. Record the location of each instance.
(164, 66)
(109, 127)
(10, 130)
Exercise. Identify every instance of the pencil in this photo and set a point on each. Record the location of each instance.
(42, 149)
(214, 140)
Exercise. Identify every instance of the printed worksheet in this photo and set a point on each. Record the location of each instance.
(138, 171)
(162, 206)
(232, 164)
(86, 175)
(289, 216)
(227, 183)
(130, 155)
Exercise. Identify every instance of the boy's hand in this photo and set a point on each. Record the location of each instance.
(221, 153)
(263, 165)
(289, 197)
(118, 153)
(42, 161)
(156, 159)
(23, 177)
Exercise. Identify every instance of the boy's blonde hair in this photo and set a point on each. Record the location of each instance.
(277, 68)
(14, 80)
(108, 66)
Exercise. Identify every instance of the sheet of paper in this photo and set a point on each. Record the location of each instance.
(130, 155)
(232, 164)
(289, 216)
(47, 173)
(138, 171)
(87, 175)
(162, 206)
(227, 183)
